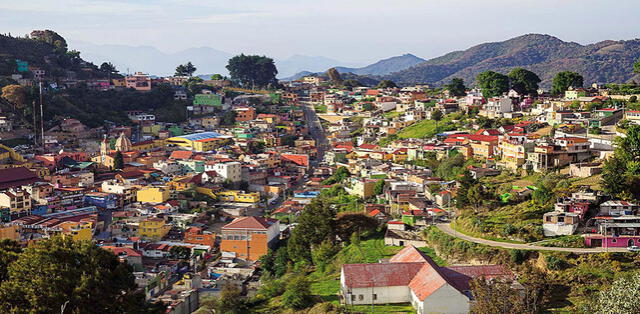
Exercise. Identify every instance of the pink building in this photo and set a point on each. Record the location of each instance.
(139, 81)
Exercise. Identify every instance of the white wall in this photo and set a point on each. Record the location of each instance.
(384, 295)
(444, 300)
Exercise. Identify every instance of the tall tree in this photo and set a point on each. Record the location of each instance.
(493, 83)
(186, 69)
(620, 296)
(523, 81)
(118, 161)
(563, 80)
(456, 87)
(436, 116)
(58, 271)
(108, 68)
(252, 71)
(297, 294)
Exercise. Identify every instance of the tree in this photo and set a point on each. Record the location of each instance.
(108, 68)
(180, 252)
(498, 297)
(620, 296)
(492, 83)
(323, 255)
(386, 84)
(563, 80)
(252, 71)
(348, 223)
(297, 294)
(474, 196)
(334, 76)
(186, 69)
(118, 161)
(456, 87)
(436, 116)
(9, 252)
(217, 77)
(230, 301)
(523, 81)
(351, 83)
(16, 95)
(636, 67)
(57, 271)
(379, 187)
(315, 225)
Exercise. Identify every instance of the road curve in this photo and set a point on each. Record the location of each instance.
(446, 228)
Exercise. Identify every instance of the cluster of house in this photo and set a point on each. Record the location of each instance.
(184, 204)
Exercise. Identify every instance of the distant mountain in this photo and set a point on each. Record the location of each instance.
(297, 63)
(381, 67)
(607, 61)
(153, 61)
(385, 66)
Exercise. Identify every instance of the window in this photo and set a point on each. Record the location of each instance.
(360, 297)
(375, 296)
(353, 297)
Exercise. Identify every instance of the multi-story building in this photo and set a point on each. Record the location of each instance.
(18, 201)
(238, 196)
(153, 195)
(228, 170)
(138, 81)
(153, 228)
(561, 152)
(250, 237)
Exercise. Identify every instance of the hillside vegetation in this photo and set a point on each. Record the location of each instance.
(607, 61)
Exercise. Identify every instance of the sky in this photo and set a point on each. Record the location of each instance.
(359, 31)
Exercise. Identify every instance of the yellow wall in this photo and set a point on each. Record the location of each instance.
(153, 195)
(153, 229)
(239, 196)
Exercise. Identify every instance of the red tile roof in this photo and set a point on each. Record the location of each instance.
(379, 274)
(181, 154)
(16, 177)
(251, 222)
(409, 254)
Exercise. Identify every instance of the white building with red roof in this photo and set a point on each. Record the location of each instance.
(412, 277)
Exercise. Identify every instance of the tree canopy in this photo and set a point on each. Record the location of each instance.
(456, 87)
(252, 70)
(53, 272)
(493, 83)
(16, 95)
(108, 68)
(186, 69)
(523, 81)
(563, 80)
(387, 84)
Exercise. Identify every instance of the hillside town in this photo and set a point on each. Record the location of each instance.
(358, 198)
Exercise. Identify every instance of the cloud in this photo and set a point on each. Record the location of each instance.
(224, 18)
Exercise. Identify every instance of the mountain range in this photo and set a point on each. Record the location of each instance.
(607, 61)
(206, 59)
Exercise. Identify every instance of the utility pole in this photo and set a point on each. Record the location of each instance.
(35, 125)
(41, 115)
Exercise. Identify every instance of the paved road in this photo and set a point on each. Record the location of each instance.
(315, 129)
(446, 228)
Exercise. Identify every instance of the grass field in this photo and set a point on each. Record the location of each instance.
(391, 114)
(422, 129)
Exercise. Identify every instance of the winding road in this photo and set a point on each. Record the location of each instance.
(446, 228)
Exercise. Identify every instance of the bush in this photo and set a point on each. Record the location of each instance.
(518, 256)
(555, 263)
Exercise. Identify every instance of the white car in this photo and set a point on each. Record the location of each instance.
(633, 248)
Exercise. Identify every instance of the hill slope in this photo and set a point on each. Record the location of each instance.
(55, 61)
(385, 66)
(607, 61)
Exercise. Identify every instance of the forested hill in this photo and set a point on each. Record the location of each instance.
(607, 61)
(49, 53)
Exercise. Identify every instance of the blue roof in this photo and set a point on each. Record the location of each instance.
(201, 136)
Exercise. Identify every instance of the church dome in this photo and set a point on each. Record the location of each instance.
(123, 144)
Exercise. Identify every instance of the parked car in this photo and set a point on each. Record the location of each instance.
(634, 248)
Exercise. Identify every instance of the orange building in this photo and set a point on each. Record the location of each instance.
(250, 237)
(245, 113)
(195, 235)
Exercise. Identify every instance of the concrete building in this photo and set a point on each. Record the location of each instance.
(249, 237)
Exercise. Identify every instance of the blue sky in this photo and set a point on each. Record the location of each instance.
(347, 30)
